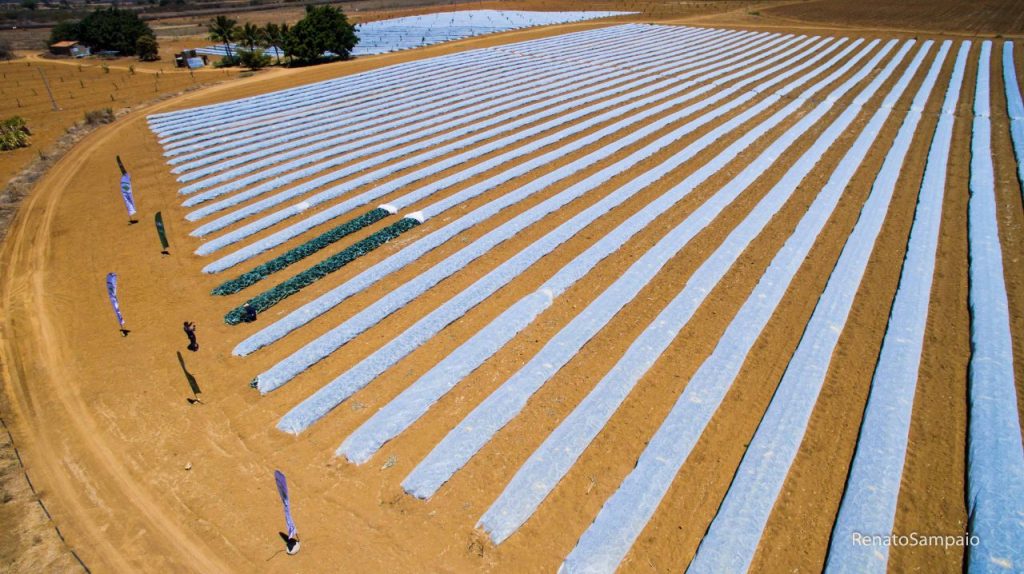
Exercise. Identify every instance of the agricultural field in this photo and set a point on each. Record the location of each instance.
(1004, 17)
(408, 32)
(626, 297)
(77, 88)
(510, 209)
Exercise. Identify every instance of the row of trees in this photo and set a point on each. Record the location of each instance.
(323, 34)
(110, 29)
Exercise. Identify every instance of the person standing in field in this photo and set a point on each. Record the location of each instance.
(190, 332)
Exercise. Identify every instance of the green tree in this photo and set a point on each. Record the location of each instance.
(323, 29)
(286, 33)
(30, 4)
(222, 29)
(273, 36)
(64, 30)
(250, 36)
(113, 29)
(147, 49)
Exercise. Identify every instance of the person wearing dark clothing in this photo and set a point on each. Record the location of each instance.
(190, 332)
(250, 313)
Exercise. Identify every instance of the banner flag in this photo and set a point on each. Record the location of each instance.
(160, 230)
(126, 192)
(282, 489)
(112, 292)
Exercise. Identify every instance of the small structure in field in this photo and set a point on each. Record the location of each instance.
(70, 48)
(190, 59)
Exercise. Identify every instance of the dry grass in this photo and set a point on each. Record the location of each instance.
(78, 88)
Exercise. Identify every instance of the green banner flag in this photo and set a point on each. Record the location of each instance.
(162, 233)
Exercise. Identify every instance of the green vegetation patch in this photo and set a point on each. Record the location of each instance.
(273, 296)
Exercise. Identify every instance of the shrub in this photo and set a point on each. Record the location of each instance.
(6, 52)
(14, 133)
(96, 117)
(147, 49)
(253, 59)
(323, 29)
(226, 62)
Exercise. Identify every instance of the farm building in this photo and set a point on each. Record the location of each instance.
(69, 48)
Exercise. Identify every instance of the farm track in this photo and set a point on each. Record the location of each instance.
(240, 440)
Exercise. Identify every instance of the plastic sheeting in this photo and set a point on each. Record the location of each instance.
(315, 351)
(429, 242)
(413, 402)
(571, 79)
(269, 109)
(456, 449)
(1015, 109)
(734, 534)
(442, 86)
(404, 111)
(624, 515)
(414, 31)
(559, 71)
(268, 105)
(572, 96)
(995, 455)
(623, 93)
(869, 503)
(356, 99)
(545, 159)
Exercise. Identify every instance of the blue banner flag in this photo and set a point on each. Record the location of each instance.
(126, 192)
(282, 489)
(112, 292)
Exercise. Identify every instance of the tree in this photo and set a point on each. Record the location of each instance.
(113, 29)
(250, 35)
(222, 29)
(323, 29)
(30, 4)
(273, 36)
(286, 33)
(147, 49)
(64, 30)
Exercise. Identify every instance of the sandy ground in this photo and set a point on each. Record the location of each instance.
(79, 87)
(139, 479)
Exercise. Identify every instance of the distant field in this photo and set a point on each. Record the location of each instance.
(1004, 17)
